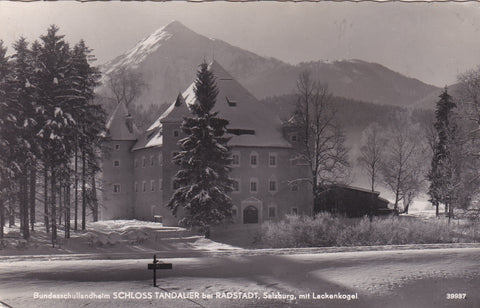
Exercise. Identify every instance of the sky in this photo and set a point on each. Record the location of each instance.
(433, 42)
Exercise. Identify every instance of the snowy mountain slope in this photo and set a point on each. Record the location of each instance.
(168, 60)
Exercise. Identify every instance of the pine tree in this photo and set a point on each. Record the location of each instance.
(4, 163)
(445, 131)
(21, 127)
(204, 161)
(55, 91)
(90, 119)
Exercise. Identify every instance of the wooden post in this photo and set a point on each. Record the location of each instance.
(155, 261)
(157, 265)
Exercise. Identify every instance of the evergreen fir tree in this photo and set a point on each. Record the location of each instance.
(21, 126)
(5, 181)
(55, 94)
(445, 131)
(204, 161)
(90, 119)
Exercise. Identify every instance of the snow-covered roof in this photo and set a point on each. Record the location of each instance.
(356, 188)
(120, 126)
(238, 106)
(152, 137)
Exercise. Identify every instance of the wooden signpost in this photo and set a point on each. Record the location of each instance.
(157, 265)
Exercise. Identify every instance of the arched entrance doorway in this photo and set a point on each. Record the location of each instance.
(250, 215)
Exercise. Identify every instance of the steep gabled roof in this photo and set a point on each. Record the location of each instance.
(174, 114)
(120, 126)
(153, 137)
(251, 123)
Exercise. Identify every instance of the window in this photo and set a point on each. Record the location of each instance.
(152, 160)
(272, 212)
(117, 147)
(231, 103)
(236, 185)
(116, 188)
(293, 138)
(272, 185)
(294, 211)
(144, 162)
(135, 187)
(294, 186)
(253, 185)
(144, 186)
(152, 185)
(239, 132)
(236, 159)
(116, 163)
(176, 133)
(272, 159)
(254, 159)
(160, 159)
(136, 163)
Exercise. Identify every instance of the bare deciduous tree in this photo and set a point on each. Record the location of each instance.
(371, 152)
(403, 167)
(126, 85)
(321, 138)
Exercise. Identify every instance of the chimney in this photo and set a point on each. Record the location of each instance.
(129, 123)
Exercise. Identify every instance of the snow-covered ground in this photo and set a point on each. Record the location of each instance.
(410, 278)
(114, 236)
(111, 257)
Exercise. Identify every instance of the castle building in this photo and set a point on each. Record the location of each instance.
(138, 171)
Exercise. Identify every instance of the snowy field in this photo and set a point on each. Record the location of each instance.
(128, 237)
(409, 278)
(106, 266)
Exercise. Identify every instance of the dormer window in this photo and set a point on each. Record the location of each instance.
(231, 103)
(176, 133)
(293, 138)
(238, 132)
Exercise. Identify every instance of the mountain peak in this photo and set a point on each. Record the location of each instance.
(149, 45)
(175, 26)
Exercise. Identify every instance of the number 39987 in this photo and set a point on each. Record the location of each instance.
(456, 295)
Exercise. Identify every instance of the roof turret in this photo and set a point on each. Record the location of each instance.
(120, 126)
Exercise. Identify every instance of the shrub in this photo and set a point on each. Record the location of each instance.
(328, 230)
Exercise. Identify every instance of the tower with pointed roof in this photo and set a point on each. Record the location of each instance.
(117, 166)
(264, 167)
